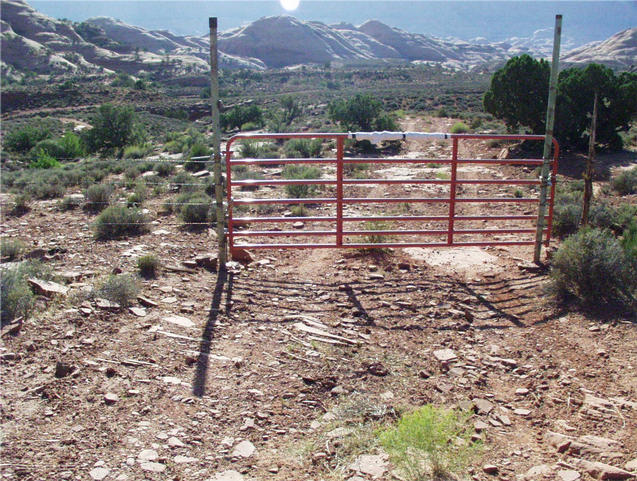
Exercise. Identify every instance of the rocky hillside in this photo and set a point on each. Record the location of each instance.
(33, 42)
(620, 51)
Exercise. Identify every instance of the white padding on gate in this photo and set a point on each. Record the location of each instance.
(377, 137)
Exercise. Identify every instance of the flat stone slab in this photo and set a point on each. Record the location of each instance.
(48, 288)
(179, 321)
(374, 465)
(445, 355)
(244, 449)
(230, 475)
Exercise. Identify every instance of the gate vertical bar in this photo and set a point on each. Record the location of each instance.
(216, 142)
(339, 191)
(548, 138)
(452, 190)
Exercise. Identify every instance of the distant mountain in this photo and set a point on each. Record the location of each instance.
(33, 42)
(620, 51)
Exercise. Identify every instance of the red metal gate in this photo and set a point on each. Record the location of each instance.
(452, 235)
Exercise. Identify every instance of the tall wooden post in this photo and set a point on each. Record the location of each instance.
(588, 174)
(216, 142)
(548, 139)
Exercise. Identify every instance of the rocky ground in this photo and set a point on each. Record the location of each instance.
(284, 368)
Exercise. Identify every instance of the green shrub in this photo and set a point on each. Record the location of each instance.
(184, 182)
(197, 150)
(430, 443)
(626, 182)
(148, 266)
(253, 149)
(114, 127)
(24, 139)
(21, 204)
(16, 297)
(459, 128)
(303, 148)
(98, 197)
(592, 266)
(195, 209)
(135, 151)
(356, 171)
(70, 203)
(120, 288)
(132, 173)
(567, 213)
(629, 244)
(50, 147)
(72, 146)
(296, 171)
(11, 249)
(298, 210)
(117, 222)
(375, 238)
(46, 188)
(625, 214)
(164, 168)
(43, 160)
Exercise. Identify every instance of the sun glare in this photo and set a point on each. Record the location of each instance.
(290, 5)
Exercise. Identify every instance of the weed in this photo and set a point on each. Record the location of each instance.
(11, 249)
(430, 442)
(117, 222)
(197, 150)
(148, 266)
(43, 160)
(518, 194)
(120, 288)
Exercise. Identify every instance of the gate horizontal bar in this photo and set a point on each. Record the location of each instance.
(384, 245)
(279, 233)
(383, 218)
(380, 200)
(376, 160)
(258, 182)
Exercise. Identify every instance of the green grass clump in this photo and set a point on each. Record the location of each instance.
(626, 182)
(120, 288)
(148, 266)
(11, 249)
(295, 171)
(303, 148)
(98, 197)
(430, 443)
(136, 151)
(195, 209)
(592, 266)
(117, 222)
(21, 204)
(164, 168)
(459, 128)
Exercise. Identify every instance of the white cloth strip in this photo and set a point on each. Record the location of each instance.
(377, 137)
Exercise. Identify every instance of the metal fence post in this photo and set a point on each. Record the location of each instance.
(339, 191)
(548, 139)
(216, 142)
(452, 191)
